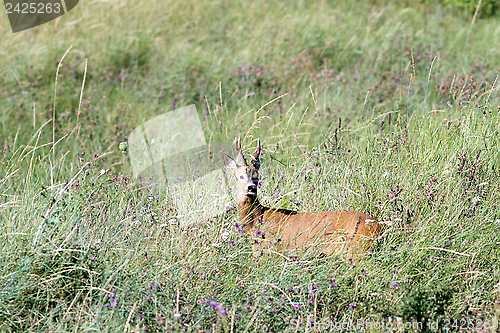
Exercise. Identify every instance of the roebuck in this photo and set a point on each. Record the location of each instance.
(326, 232)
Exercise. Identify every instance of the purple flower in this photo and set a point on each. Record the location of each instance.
(265, 327)
(151, 287)
(283, 176)
(352, 305)
(228, 208)
(140, 316)
(113, 303)
(213, 304)
(296, 306)
(260, 182)
(202, 301)
(394, 284)
(177, 315)
(112, 294)
(233, 243)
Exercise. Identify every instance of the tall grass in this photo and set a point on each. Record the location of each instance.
(387, 110)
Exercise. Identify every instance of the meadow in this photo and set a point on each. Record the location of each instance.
(389, 108)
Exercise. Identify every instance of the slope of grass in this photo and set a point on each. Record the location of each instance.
(388, 110)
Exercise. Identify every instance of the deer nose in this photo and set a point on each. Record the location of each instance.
(252, 188)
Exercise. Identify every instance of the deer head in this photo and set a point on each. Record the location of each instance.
(247, 176)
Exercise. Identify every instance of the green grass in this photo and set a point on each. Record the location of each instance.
(383, 109)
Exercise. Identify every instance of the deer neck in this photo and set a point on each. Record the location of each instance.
(251, 211)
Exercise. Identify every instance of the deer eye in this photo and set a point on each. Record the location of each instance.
(241, 177)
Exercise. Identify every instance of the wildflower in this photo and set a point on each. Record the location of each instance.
(283, 176)
(352, 305)
(177, 315)
(112, 294)
(213, 304)
(394, 284)
(238, 227)
(297, 306)
(113, 303)
(260, 182)
(202, 301)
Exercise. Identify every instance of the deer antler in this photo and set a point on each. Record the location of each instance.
(255, 158)
(239, 153)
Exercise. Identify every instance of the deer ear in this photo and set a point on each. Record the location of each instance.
(231, 164)
(256, 154)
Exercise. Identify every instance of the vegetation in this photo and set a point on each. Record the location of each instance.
(376, 107)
